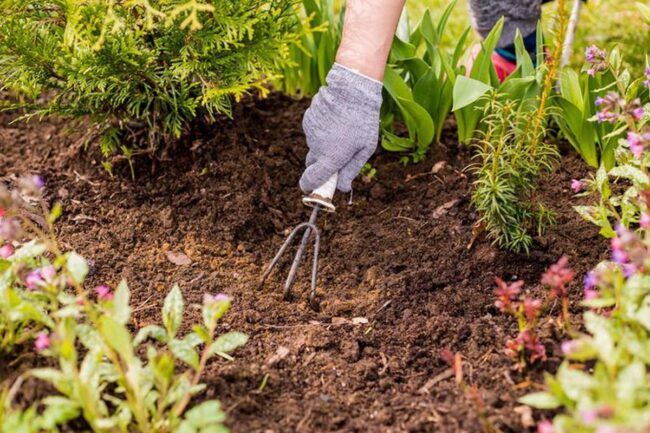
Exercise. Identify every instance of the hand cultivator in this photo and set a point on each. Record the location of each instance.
(319, 199)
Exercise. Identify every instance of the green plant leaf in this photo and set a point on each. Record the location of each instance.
(172, 311)
(116, 336)
(150, 331)
(467, 91)
(540, 400)
(29, 250)
(228, 342)
(121, 308)
(205, 414)
(77, 267)
(183, 350)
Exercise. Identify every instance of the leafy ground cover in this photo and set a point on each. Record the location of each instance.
(369, 360)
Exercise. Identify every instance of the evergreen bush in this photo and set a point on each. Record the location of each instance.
(140, 69)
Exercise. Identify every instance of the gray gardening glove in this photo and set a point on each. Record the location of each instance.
(341, 127)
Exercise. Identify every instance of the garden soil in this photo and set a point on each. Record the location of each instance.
(397, 282)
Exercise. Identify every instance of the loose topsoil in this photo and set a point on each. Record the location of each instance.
(397, 282)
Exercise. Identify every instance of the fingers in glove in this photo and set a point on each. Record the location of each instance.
(316, 175)
(352, 169)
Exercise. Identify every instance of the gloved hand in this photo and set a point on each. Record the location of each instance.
(341, 127)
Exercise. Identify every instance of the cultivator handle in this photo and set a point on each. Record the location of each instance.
(322, 196)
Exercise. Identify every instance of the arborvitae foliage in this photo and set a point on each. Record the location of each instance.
(140, 69)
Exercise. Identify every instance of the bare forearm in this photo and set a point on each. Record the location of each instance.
(368, 32)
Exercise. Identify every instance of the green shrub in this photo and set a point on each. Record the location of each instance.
(140, 69)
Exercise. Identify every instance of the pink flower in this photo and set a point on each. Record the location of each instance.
(635, 143)
(557, 276)
(568, 347)
(576, 186)
(591, 294)
(638, 113)
(6, 251)
(104, 293)
(48, 273)
(42, 341)
(209, 299)
(589, 416)
(644, 221)
(33, 279)
(506, 293)
(545, 426)
(531, 308)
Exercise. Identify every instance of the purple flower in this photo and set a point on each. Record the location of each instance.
(629, 269)
(6, 251)
(638, 113)
(591, 72)
(104, 293)
(619, 256)
(545, 426)
(576, 186)
(591, 280)
(646, 83)
(594, 54)
(599, 101)
(644, 221)
(42, 341)
(33, 279)
(31, 184)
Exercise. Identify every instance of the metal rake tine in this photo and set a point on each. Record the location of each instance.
(280, 252)
(314, 269)
(311, 226)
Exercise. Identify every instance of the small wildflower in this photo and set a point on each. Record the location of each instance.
(48, 273)
(506, 293)
(599, 101)
(104, 293)
(209, 299)
(638, 142)
(638, 113)
(597, 60)
(42, 341)
(33, 279)
(589, 416)
(545, 426)
(594, 54)
(532, 308)
(629, 269)
(568, 347)
(646, 83)
(620, 256)
(6, 251)
(31, 184)
(591, 294)
(644, 220)
(576, 186)
(591, 280)
(557, 276)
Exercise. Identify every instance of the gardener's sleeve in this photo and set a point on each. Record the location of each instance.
(518, 14)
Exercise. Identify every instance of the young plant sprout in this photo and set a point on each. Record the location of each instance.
(527, 347)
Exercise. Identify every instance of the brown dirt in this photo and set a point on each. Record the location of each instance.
(397, 256)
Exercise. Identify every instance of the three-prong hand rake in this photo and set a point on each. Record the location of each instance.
(319, 199)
